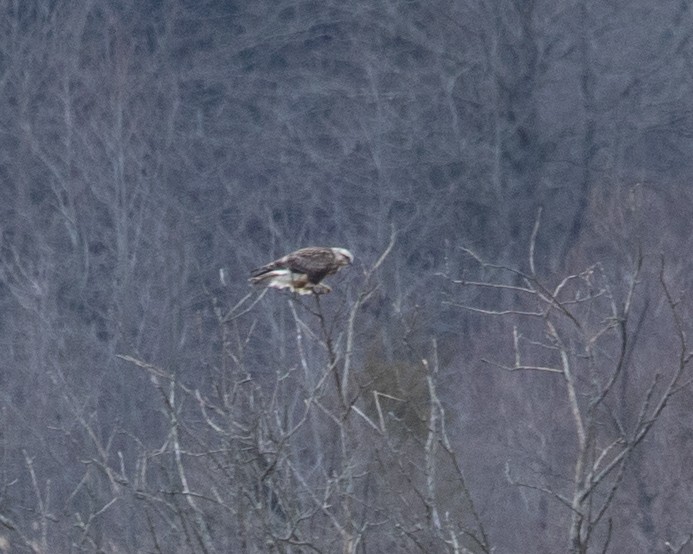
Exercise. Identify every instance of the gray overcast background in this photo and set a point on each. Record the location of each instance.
(432, 402)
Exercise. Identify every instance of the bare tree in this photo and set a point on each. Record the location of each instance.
(585, 332)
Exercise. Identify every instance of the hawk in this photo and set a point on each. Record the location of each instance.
(303, 270)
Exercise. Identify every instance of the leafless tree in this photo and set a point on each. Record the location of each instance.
(584, 331)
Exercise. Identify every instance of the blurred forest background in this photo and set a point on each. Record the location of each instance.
(505, 367)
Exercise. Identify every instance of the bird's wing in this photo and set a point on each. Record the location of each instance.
(311, 260)
(314, 261)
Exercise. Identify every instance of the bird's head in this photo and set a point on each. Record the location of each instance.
(344, 257)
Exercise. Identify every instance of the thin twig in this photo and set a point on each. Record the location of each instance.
(533, 241)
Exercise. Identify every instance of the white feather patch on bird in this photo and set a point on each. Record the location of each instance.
(285, 279)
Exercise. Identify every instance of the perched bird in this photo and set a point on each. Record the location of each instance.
(303, 270)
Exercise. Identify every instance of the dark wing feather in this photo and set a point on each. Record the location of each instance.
(276, 264)
(264, 269)
(316, 262)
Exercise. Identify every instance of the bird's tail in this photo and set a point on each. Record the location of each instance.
(260, 271)
(259, 277)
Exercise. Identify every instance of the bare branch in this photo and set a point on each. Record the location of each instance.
(521, 367)
(533, 241)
